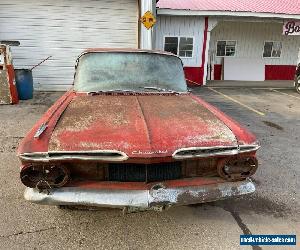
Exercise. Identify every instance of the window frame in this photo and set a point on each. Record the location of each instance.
(178, 43)
(271, 57)
(224, 40)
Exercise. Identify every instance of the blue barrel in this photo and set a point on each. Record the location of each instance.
(24, 83)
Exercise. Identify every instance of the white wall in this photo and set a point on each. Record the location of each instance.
(243, 69)
(63, 29)
(250, 37)
(182, 26)
(250, 34)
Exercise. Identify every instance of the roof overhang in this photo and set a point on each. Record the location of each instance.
(181, 12)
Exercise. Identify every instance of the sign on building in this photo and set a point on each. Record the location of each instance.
(291, 28)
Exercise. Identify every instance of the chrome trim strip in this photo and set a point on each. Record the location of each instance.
(248, 148)
(227, 151)
(152, 198)
(40, 130)
(74, 155)
(231, 150)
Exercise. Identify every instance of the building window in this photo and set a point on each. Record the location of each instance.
(272, 49)
(181, 46)
(226, 48)
(171, 45)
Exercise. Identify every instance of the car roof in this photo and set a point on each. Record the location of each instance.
(125, 50)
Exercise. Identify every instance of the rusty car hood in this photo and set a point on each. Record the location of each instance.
(138, 125)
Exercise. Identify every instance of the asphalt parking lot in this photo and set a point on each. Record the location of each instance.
(272, 114)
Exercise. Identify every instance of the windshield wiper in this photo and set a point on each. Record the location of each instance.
(160, 89)
(111, 91)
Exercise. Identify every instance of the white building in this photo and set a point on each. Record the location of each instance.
(63, 29)
(216, 39)
(231, 40)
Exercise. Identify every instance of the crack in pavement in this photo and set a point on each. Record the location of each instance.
(37, 231)
(241, 224)
(28, 232)
(243, 227)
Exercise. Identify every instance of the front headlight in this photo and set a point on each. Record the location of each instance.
(237, 168)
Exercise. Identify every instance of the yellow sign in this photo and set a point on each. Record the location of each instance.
(148, 20)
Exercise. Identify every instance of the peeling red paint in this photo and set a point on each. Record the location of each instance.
(29, 143)
(242, 134)
(138, 125)
(121, 125)
(88, 134)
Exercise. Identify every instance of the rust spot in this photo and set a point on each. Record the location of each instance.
(189, 198)
(146, 123)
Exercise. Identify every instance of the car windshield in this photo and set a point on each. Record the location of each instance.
(129, 71)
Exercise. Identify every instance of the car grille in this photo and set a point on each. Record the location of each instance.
(143, 172)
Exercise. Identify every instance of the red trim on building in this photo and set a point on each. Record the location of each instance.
(272, 72)
(204, 42)
(196, 74)
(217, 72)
(280, 72)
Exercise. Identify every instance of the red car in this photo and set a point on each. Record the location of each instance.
(130, 135)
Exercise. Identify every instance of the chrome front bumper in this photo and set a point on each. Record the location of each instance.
(155, 198)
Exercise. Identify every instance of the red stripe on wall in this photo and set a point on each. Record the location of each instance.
(217, 71)
(194, 75)
(204, 42)
(280, 72)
